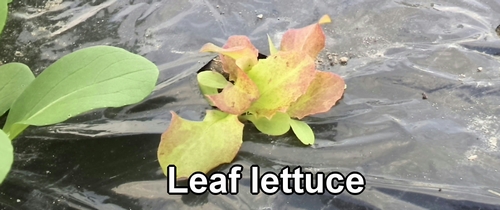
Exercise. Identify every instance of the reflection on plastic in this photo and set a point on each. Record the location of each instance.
(406, 147)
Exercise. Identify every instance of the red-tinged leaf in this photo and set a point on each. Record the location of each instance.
(236, 99)
(200, 146)
(310, 39)
(237, 52)
(281, 79)
(325, 90)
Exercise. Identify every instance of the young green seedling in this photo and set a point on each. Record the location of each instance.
(6, 155)
(87, 79)
(4, 10)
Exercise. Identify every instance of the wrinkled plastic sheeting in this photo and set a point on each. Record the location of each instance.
(437, 153)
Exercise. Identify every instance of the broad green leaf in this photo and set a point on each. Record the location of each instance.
(325, 90)
(302, 131)
(200, 146)
(6, 155)
(272, 48)
(281, 79)
(236, 99)
(4, 10)
(212, 79)
(310, 39)
(238, 52)
(278, 125)
(87, 79)
(14, 78)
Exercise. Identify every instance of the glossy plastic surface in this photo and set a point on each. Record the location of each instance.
(435, 153)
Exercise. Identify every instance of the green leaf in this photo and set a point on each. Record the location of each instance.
(281, 79)
(6, 155)
(4, 10)
(87, 79)
(272, 48)
(14, 78)
(212, 79)
(200, 146)
(302, 131)
(278, 125)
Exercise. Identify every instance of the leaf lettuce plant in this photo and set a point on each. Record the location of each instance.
(274, 94)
